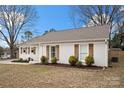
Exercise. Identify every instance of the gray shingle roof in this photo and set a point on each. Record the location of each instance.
(90, 33)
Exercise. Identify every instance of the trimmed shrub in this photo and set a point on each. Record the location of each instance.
(21, 59)
(53, 60)
(78, 63)
(72, 60)
(44, 60)
(89, 60)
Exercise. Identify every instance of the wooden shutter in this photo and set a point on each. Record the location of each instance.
(28, 50)
(91, 50)
(57, 52)
(21, 50)
(76, 50)
(47, 51)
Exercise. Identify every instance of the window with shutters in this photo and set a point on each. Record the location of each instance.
(33, 50)
(25, 50)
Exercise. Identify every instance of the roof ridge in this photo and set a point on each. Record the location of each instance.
(79, 28)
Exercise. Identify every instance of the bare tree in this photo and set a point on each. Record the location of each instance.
(14, 19)
(98, 15)
(121, 34)
(1, 51)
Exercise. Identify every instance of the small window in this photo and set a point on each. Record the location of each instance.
(33, 50)
(25, 50)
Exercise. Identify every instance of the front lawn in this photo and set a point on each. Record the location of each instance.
(53, 76)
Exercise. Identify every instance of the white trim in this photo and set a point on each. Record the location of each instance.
(66, 41)
(80, 40)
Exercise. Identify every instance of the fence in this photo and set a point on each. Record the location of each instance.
(116, 53)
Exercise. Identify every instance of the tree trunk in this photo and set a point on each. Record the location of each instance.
(12, 51)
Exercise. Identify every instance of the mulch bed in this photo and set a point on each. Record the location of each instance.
(67, 65)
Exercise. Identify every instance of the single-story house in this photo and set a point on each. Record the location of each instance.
(79, 42)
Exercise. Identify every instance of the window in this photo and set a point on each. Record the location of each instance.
(83, 52)
(33, 50)
(53, 52)
(25, 50)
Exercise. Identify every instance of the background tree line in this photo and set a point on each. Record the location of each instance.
(93, 15)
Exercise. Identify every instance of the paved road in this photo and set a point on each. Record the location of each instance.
(8, 61)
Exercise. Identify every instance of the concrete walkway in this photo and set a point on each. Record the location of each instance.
(8, 61)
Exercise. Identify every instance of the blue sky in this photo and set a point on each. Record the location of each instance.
(56, 17)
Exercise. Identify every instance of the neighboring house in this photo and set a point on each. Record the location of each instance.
(63, 44)
(5, 54)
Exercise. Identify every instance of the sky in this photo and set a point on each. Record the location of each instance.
(52, 16)
(56, 17)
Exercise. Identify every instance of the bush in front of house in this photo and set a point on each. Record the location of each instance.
(21, 60)
(72, 60)
(78, 63)
(53, 60)
(89, 60)
(44, 60)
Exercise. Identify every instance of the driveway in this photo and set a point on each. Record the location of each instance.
(8, 61)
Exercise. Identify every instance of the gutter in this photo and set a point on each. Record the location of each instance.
(67, 41)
